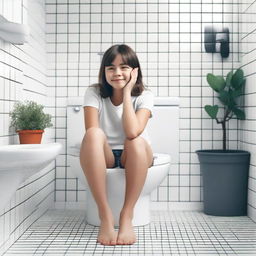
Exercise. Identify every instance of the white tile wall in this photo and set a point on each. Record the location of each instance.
(23, 76)
(167, 36)
(248, 128)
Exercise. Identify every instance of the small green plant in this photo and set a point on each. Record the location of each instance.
(29, 116)
(228, 90)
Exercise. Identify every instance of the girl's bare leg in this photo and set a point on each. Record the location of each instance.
(95, 157)
(137, 158)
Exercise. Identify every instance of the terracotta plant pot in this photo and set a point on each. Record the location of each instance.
(30, 136)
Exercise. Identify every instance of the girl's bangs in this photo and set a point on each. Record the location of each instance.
(126, 57)
(126, 60)
(109, 59)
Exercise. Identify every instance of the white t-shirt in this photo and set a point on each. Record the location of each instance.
(110, 116)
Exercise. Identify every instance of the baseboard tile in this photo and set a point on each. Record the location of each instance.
(81, 205)
(252, 213)
(172, 206)
(177, 206)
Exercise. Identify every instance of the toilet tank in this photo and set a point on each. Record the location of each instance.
(163, 127)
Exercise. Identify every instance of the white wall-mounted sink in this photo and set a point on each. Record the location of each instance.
(19, 162)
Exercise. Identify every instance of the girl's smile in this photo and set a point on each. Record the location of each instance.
(116, 80)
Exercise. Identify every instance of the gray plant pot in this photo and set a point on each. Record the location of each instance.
(225, 181)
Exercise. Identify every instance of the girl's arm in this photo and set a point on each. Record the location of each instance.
(133, 122)
(91, 117)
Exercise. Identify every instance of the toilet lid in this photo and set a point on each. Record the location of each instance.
(159, 158)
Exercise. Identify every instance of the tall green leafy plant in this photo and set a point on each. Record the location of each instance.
(228, 90)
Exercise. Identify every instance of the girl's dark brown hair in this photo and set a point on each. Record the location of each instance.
(129, 58)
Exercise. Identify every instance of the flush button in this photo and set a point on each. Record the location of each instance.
(76, 109)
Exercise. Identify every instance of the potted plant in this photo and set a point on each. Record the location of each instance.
(29, 120)
(225, 171)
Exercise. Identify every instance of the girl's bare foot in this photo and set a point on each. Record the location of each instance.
(126, 233)
(107, 234)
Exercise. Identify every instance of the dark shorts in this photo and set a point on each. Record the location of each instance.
(117, 154)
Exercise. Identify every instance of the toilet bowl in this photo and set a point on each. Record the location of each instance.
(164, 134)
(115, 179)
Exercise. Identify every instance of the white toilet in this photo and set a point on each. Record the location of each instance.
(163, 130)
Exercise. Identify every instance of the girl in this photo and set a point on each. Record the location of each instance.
(116, 112)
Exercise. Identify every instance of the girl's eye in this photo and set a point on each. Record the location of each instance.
(125, 67)
(110, 68)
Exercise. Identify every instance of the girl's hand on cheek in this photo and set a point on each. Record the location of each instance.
(134, 74)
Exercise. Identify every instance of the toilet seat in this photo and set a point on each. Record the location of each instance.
(159, 158)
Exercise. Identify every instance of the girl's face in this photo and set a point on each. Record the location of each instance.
(118, 74)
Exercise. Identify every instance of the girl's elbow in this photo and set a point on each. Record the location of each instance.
(132, 135)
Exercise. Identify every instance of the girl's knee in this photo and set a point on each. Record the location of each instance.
(137, 144)
(137, 148)
(94, 133)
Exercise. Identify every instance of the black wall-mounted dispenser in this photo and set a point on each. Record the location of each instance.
(216, 41)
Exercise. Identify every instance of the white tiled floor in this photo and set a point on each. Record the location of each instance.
(61, 232)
